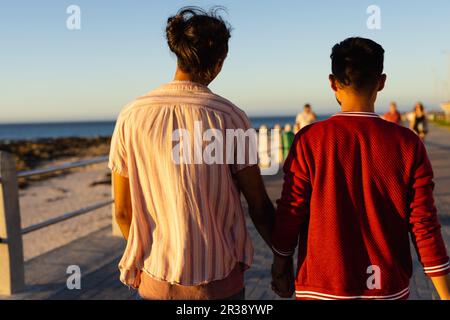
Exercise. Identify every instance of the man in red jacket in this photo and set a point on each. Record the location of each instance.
(355, 187)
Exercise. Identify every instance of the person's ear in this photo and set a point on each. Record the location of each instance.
(382, 82)
(333, 82)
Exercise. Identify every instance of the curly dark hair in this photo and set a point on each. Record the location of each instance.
(199, 39)
(357, 62)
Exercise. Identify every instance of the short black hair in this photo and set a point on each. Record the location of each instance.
(199, 39)
(357, 62)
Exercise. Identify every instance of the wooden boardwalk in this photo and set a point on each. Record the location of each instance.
(98, 253)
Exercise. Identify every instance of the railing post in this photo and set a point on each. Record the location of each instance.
(115, 227)
(12, 279)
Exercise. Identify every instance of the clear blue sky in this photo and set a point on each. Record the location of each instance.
(278, 59)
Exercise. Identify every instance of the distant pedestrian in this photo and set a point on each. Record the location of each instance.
(419, 121)
(287, 139)
(393, 115)
(306, 117)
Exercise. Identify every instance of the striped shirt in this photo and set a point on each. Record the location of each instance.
(188, 223)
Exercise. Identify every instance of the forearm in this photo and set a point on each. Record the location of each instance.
(292, 212)
(263, 218)
(425, 226)
(286, 231)
(124, 224)
(430, 246)
(125, 229)
(442, 285)
(122, 203)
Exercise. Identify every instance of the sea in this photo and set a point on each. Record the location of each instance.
(88, 129)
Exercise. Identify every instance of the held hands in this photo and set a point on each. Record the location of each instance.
(283, 276)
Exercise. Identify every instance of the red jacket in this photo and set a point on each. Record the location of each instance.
(355, 188)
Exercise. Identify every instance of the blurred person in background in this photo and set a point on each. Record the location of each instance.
(287, 139)
(393, 115)
(306, 117)
(419, 121)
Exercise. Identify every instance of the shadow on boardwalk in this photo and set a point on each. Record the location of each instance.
(98, 254)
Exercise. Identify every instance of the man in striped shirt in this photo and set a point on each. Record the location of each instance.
(177, 183)
(355, 187)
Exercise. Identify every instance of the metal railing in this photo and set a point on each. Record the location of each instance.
(62, 167)
(66, 216)
(11, 232)
(69, 215)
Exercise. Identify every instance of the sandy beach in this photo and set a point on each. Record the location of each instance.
(53, 197)
(42, 198)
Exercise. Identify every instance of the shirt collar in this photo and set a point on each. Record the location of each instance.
(357, 114)
(180, 85)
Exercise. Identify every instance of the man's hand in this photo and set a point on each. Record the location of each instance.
(283, 277)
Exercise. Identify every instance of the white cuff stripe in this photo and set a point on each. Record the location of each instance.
(312, 297)
(437, 267)
(437, 270)
(286, 254)
(324, 296)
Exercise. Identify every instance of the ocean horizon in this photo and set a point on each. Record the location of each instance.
(90, 129)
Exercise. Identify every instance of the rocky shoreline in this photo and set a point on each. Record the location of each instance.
(32, 154)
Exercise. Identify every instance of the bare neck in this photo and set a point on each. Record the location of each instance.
(354, 103)
(357, 108)
(180, 75)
